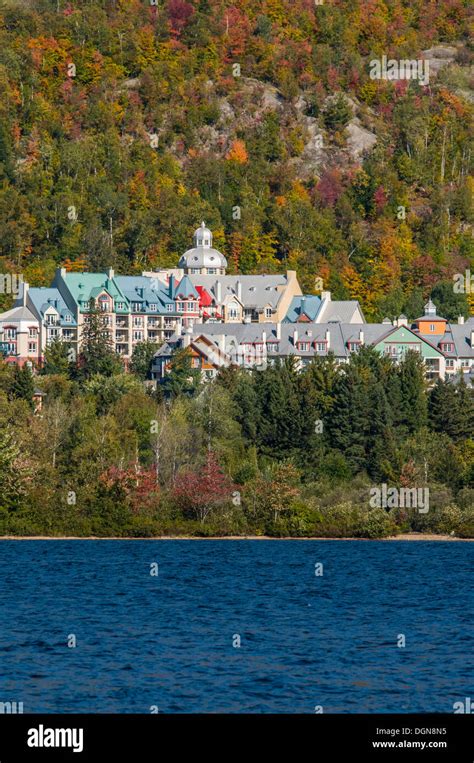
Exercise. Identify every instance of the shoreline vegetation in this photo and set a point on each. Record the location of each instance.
(401, 537)
(366, 450)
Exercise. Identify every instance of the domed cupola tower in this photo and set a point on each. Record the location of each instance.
(203, 259)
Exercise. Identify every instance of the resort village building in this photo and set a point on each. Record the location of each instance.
(246, 320)
(446, 348)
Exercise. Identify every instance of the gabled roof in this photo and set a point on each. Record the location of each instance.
(84, 286)
(44, 298)
(17, 314)
(305, 306)
(185, 289)
(205, 299)
(340, 311)
(256, 291)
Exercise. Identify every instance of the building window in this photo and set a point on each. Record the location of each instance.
(67, 319)
(32, 332)
(104, 304)
(233, 312)
(138, 336)
(447, 347)
(119, 306)
(304, 346)
(51, 319)
(211, 271)
(354, 346)
(32, 347)
(10, 333)
(450, 363)
(273, 347)
(153, 307)
(137, 306)
(465, 364)
(321, 346)
(268, 312)
(432, 327)
(169, 308)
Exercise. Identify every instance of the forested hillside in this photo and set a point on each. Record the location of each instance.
(123, 124)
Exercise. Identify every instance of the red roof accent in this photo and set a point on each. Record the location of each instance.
(205, 299)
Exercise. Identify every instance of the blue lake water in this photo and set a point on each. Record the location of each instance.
(168, 640)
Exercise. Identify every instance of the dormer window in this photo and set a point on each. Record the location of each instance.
(170, 307)
(153, 307)
(304, 346)
(119, 306)
(67, 319)
(447, 347)
(353, 346)
(321, 346)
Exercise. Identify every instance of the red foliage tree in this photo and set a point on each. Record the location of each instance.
(200, 491)
(137, 487)
(179, 12)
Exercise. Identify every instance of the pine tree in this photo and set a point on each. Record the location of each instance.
(413, 401)
(97, 354)
(142, 357)
(22, 386)
(451, 409)
(57, 358)
(349, 419)
(182, 378)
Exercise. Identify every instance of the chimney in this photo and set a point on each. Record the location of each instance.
(264, 337)
(460, 319)
(221, 342)
(402, 320)
(110, 273)
(238, 289)
(218, 290)
(24, 292)
(171, 285)
(361, 336)
(328, 338)
(326, 296)
(62, 272)
(278, 331)
(295, 337)
(187, 333)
